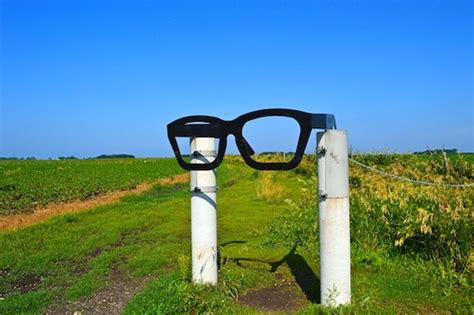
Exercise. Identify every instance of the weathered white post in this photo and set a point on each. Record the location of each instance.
(334, 236)
(203, 213)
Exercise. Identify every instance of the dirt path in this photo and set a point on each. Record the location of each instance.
(284, 296)
(12, 222)
(118, 290)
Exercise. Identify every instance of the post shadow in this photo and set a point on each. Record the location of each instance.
(303, 274)
(300, 269)
(204, 197)
(219, 257)
(305, 277)
(232, 242)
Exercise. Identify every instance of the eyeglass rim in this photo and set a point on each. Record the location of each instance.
(306, 121)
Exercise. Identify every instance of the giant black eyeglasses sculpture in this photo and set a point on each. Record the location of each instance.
(213, 127)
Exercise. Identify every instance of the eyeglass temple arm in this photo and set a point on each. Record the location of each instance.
(323, 121)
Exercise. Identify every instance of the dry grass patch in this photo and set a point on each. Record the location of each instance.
(268, 189)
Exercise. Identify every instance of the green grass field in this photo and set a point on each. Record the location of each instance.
(411, 246)
(25, 185)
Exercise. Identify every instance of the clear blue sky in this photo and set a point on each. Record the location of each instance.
(89, 77)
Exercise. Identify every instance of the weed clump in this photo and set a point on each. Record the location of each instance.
(268, 189)
(176, 294)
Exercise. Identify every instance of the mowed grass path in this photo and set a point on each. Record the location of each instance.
(72, 255)
(146, 238)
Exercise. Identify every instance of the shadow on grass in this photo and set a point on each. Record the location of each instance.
(300, 269)
(232, 242)
(166, 190)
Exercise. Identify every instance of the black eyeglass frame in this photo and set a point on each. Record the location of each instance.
(214, 127)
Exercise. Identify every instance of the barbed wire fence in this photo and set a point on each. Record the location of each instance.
(409, 180)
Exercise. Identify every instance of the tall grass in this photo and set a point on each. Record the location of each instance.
(431, 223)
(268, 189)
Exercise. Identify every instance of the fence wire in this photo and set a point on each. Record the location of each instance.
(409, 180)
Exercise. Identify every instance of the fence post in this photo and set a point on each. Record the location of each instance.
(334, 236)
(203, 213)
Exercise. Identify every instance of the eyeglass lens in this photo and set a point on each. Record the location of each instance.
(272, 138)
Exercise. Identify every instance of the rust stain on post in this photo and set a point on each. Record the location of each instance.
(334, 156)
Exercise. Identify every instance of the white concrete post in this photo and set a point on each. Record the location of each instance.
(203, 213)
(334, 236)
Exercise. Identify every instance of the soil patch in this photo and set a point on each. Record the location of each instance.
(95, 252)
(118, 290)
(25, 283)
(12, 222)
(284, 296)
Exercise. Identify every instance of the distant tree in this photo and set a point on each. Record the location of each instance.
(276, 153)
(115, 156)
(67, 158)
(438, 151)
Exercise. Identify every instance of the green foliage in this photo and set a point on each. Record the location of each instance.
(27, 303)
(435, 222)
(25, 185)
(147, 236)
(299, 224)
(397, 217)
